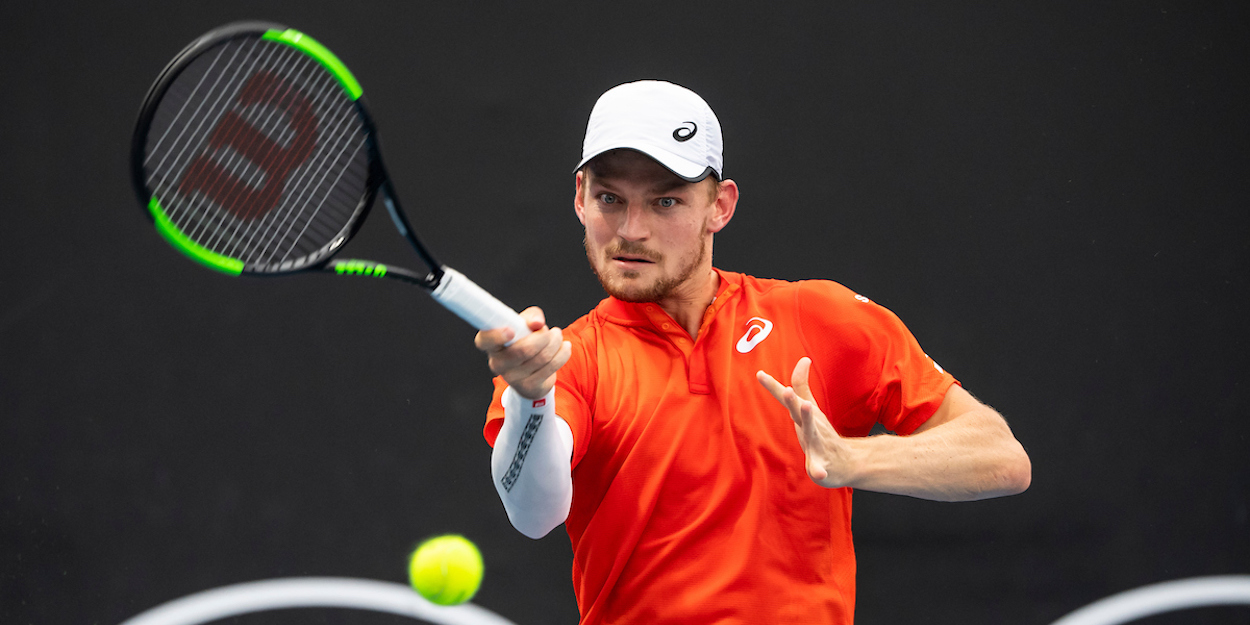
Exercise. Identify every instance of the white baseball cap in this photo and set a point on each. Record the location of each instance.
(667, 122)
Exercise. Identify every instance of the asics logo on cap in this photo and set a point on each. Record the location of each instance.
(683, 133)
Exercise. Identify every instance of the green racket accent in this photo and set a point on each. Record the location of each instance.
(360, 268)
(197, 252)
(309, 46)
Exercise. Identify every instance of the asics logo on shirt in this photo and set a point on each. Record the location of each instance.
(758, 329)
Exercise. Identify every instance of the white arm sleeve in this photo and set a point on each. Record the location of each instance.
(531, 464)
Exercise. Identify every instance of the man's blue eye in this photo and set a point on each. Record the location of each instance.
(608, 198)
(668, 202)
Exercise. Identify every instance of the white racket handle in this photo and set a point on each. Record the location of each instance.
(473, 304)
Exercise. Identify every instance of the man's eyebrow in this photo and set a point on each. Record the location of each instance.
(603, 184)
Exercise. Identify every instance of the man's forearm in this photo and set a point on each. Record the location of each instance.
(973, 456)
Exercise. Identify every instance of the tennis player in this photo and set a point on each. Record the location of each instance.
(700, 431)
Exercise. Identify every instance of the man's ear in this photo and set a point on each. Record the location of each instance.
(579, 203)
(726, 202)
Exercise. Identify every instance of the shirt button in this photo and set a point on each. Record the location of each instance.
(668, 326)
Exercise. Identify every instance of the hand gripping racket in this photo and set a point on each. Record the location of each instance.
(254, 154)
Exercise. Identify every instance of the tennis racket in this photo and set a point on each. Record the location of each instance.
(254, 154)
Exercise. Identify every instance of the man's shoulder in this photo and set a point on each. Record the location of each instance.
(586, 328)
(827, 291)
(818, 304)
(583, 322)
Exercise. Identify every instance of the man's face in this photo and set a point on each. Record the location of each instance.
(648, 232)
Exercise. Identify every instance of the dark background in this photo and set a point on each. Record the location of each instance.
(1051, 195)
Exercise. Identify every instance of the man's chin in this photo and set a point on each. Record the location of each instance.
(629, 292)
(631, 288)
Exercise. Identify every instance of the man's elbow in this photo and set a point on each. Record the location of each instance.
(540, 512)
(1012, 470)
(534, 526)
(1016, 473)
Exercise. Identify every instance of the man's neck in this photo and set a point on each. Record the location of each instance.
(687, 305)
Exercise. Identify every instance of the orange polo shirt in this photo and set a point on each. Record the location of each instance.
(691, 503)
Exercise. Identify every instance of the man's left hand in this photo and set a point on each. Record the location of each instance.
(830, 460)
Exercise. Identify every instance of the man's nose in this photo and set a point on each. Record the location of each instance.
(634, 226)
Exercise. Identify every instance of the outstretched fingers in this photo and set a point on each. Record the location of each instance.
(783, 394)
(821, 444)
(798, 378)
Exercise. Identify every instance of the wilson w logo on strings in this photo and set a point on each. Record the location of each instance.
(274, 161)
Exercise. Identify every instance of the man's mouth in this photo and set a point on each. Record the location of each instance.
(632, 259)
(631, 255)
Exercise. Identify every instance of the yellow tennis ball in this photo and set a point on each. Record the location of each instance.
(446, 570)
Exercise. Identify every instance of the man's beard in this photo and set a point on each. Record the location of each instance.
(660, 289)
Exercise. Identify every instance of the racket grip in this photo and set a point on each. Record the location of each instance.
(473, 304)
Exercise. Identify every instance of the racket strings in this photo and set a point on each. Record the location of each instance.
(194, 130)
(262, 155)
(248, 148)
(233, 123)
(218, 97)
(234, 163)
(187, 99)
(246, 232)
(310, 187)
